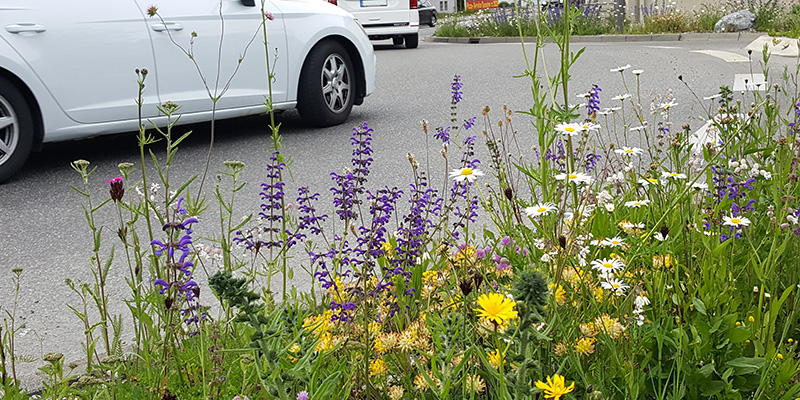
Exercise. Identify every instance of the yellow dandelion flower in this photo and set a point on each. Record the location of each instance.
(377, 367)
(780, 356)
(751, 319)
(585, 345)
(496, 358)
(496, 308)
(555, 388)
(475, 383)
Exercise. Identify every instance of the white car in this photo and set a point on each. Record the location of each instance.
(386, 19)
(67, 68)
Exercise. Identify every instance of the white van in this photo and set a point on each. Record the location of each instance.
(384, 19)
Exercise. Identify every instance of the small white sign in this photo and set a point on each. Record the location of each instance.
(753, 82)
(374, 3)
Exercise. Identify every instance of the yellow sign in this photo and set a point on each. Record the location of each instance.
(481, 4)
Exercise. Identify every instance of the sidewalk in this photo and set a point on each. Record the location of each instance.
(665, 37)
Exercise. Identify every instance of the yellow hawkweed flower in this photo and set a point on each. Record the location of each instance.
(555, 388)
(751, 319)
(377, 367)
(780, 356)
(496, 308)
(496, 358)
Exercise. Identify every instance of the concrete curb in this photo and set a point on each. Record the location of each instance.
(663, 37)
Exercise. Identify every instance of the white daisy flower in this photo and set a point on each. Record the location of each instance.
(735, 221)
(616, 241)
(575, 177)
(637, 72)
(637, 128)
(620, 69)
(636, 203)
(673, 175)
(540, 209)
(570, 129)
(668, 105)
(609, 207)
(583, 95)
(622, 97)
(700, 186)
(607, 266)
(596, 242)
(634, 151)
(588, 126)
(712, 97)
(617, 285)
(648, 181)
(658, 236)
(469, 174)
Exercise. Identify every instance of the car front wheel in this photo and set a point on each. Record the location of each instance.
(327, 85)
(16, 130)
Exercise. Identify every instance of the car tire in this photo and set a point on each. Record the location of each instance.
(433, 20)
(327, 87)
(16, 130)
(412, 41)
(397, 40)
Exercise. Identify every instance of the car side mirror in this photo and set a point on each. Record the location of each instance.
(249, 3)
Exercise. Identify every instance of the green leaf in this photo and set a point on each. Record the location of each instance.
(711, 388)
(699, 305)
(746, 365)
(739, 334)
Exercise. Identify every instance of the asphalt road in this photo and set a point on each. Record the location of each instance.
(43, 231)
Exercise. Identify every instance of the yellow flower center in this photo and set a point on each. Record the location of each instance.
(736, 220)
(615, 242)
(541, 209)
(673, 174)
(651, 180)
(629, 150)
(637, 203)
(466, 171)
(569, 129)
(608, 265)
(615, 285)
(572, 176)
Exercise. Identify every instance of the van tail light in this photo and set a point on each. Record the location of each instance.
(413, 4)
(334, 2)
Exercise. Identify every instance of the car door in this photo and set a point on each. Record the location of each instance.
(192, 66)
(85, 52)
